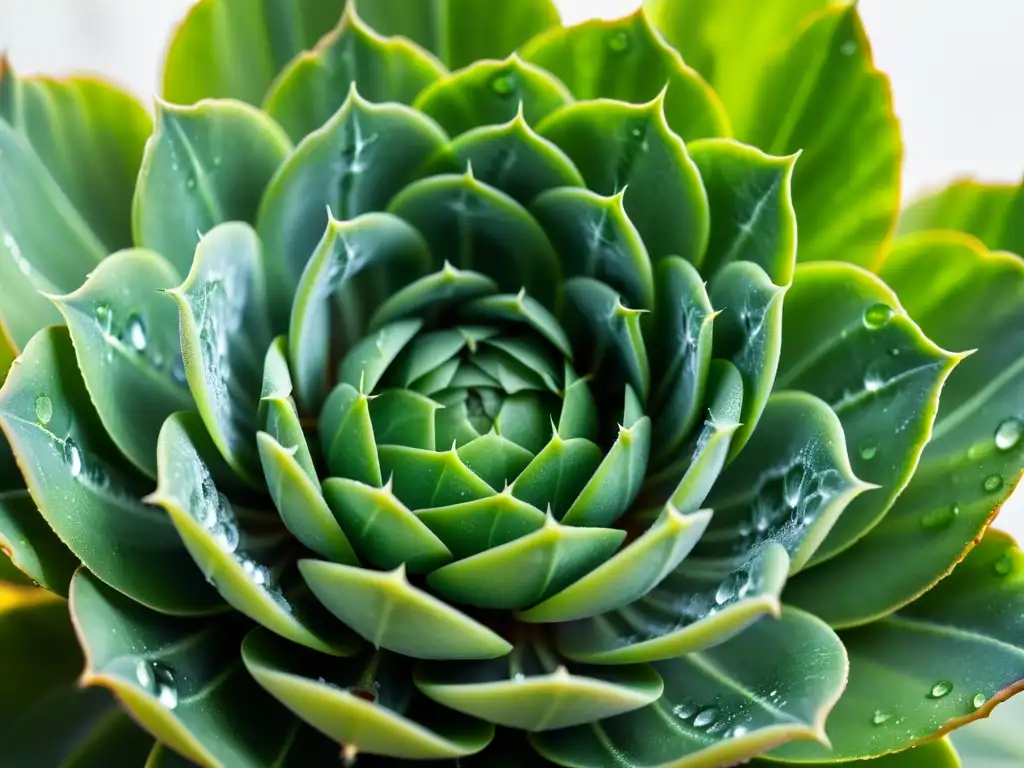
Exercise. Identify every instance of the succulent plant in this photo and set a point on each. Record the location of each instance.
(494, 408)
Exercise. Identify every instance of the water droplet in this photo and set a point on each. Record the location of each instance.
(877, 315)
(940, 689)
(136, 333)
(1003, 565)
(158, 679)
(44, 409)
(259, 574)
(880, 717)
(1009, 433)
(191, 183)
(706, 717)
(685, 710)
(518, 677)
(940, 518)
(979, 701)
(848, 48)
(873, 380)
(992, 483)
(72, 457)
(503, 84)
(618, 41)
(737, 732)
(731, 587)
(178, 370)
(869, 450)
(895, 352)
(104, 316)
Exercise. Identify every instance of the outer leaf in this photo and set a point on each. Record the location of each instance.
(752, 216)
(314, 85)
(490, 92)
(627, 60)
(824, 96)
(85, 491)
(224, 336)
(931, 754)
(990, 212)
(278, 415)
(180, 679)
(391, 613)
(847, 340)
(354, 164)
(910, 678)
(993, 741)
(34, 549)
(749, 333)
(721, 706)
(125, 336)
(976, 452)
(205, 165)
(460, 32)
(617, 145)
(205, 59)
(366, 702)
(83, 129)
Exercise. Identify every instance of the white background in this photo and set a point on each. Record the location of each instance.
(957, 68)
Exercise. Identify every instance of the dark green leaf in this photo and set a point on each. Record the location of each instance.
(346, 436)
(476, 526)
(34, 549)
(427, 479)
(520, 309)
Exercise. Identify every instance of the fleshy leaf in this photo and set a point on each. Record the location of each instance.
(627, 60)
(475, 226)
(629, 574)
(278, 415)
(518, 308)
(990, 212)
(389, 612)
(723, 705)
(748, 332)
(528, 569)
(203, 60)
(34, 549)
(83, 129)
(447, 288)
(992, 742)
(480, 525)
(426, 479)
(847, 340)
(905, 686)
(366, 702)
(824, 96)
(126, 340)
(355, 163)
(460, 32)
(204, 165)
(558, 473)
(359, 262)
(490, 92)
(619, 146)
(86, 492)
(752, 216)
(224, 336)
(239, 552)
(180, 678)
(346, 436)
(314, 85)
(976, 452)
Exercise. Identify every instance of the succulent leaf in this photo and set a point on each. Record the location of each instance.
(989, 212)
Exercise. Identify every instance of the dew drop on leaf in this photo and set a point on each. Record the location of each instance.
(104, 316)
(880, 717)
(685, 710)
(136, 330)
(848, 48)
(978, 701)
(178, 370)
(44, 409)
(157, 679)
(869, 450)
(940, 689)
(72, 457)
(940, 518)
(1003, 565)
(706, 717)
(992, 483)
(1008, 434)
(503, 84)
(737, 732)
(518, 677)
(618, 41)
(877, 315)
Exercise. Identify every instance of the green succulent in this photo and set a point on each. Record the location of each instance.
(495, 410)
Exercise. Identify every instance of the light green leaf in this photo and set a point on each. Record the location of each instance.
(931, 754)
(976, 452)
(390, 613)
(990, 212)
(314, 85)
(359, 263)
(224, 337)
(824, 96)
(475, 226)
(180, 678)
(427, 479)
(940, 662)
(619, 146)
(557, 474)
(32, 546)
(278, 415)
(627, 60)
(346, 436)
(477, 526)
(205, 165)
(125, 336)
(723, 705)
(85, 491)
(460, 32)
(90, 135)
(847, 340)
(369, 359)
(354, 164)
(491, 92)
(235, 48)
(520, 309)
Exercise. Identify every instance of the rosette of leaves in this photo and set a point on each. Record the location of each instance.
(455, 386)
